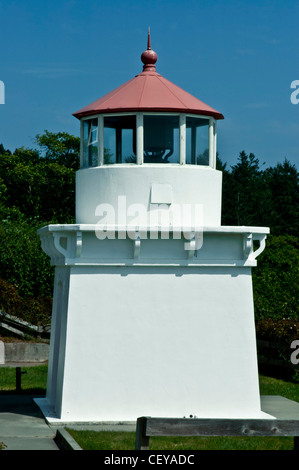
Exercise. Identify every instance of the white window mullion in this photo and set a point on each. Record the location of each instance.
(211, 142)
(100, 140)
(215, 144)
(139, 138)
(82, 144)
(182, 139)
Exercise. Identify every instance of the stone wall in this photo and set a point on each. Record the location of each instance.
(23, 352)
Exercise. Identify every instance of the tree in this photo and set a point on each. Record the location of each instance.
(282, 181)
(60, 147)
(3, 150)
(245, 195)
(276, 279)
(22, 262)
(36, 188)
(249, 189)
(269, 197)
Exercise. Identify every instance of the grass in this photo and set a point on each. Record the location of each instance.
(111, 440)
(35, 379)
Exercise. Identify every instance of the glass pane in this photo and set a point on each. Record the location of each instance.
(85, 142)
(197, 141)
(90, 142)
(161, 139)
(120, 139)
(93, 142)
(109, 145)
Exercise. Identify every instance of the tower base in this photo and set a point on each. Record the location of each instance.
(152, 336)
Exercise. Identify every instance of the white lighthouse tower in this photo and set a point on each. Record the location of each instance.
(153, 307)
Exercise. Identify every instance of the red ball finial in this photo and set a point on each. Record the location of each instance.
(149, 57)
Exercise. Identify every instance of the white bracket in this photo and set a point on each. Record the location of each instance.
(137, 245)
(190, 247)
(247, 244)
(262, 240)
(78, 244)
(57, 243)
(194, 244)
(248, 240)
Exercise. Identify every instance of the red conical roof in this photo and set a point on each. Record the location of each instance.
(148, 91)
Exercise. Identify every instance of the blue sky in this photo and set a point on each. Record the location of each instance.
(240, 57)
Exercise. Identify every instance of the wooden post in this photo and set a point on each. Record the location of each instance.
(142, 441)
(19, 373)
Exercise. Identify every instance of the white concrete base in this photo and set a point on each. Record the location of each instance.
(148, 328)
(52, 419)
(154, 341)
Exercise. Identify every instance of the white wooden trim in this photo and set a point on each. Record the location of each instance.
(145, 113)
(96, 115)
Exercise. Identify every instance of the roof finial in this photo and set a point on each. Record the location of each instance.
(149, 57)
(149, 39)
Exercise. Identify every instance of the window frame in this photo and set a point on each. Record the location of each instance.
(212, 138)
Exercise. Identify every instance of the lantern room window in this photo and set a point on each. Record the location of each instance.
(119, 139)
(90, 136)
(144, 138)
(161, 139)
(197, 141)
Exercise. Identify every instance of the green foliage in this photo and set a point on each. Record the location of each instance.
(36, 189)
(282, 330)
(22, 261)
(244, 193)
(256, 197)
(35, 310)
(61, 148)
(282, 183)
(275, 279)
(26, 277)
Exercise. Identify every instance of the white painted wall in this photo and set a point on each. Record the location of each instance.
(147, 338)
(185, 184)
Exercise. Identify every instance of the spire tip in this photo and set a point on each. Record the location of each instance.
(149, 39)
(149, 57)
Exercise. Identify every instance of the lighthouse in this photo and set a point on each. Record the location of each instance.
(153, 308)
